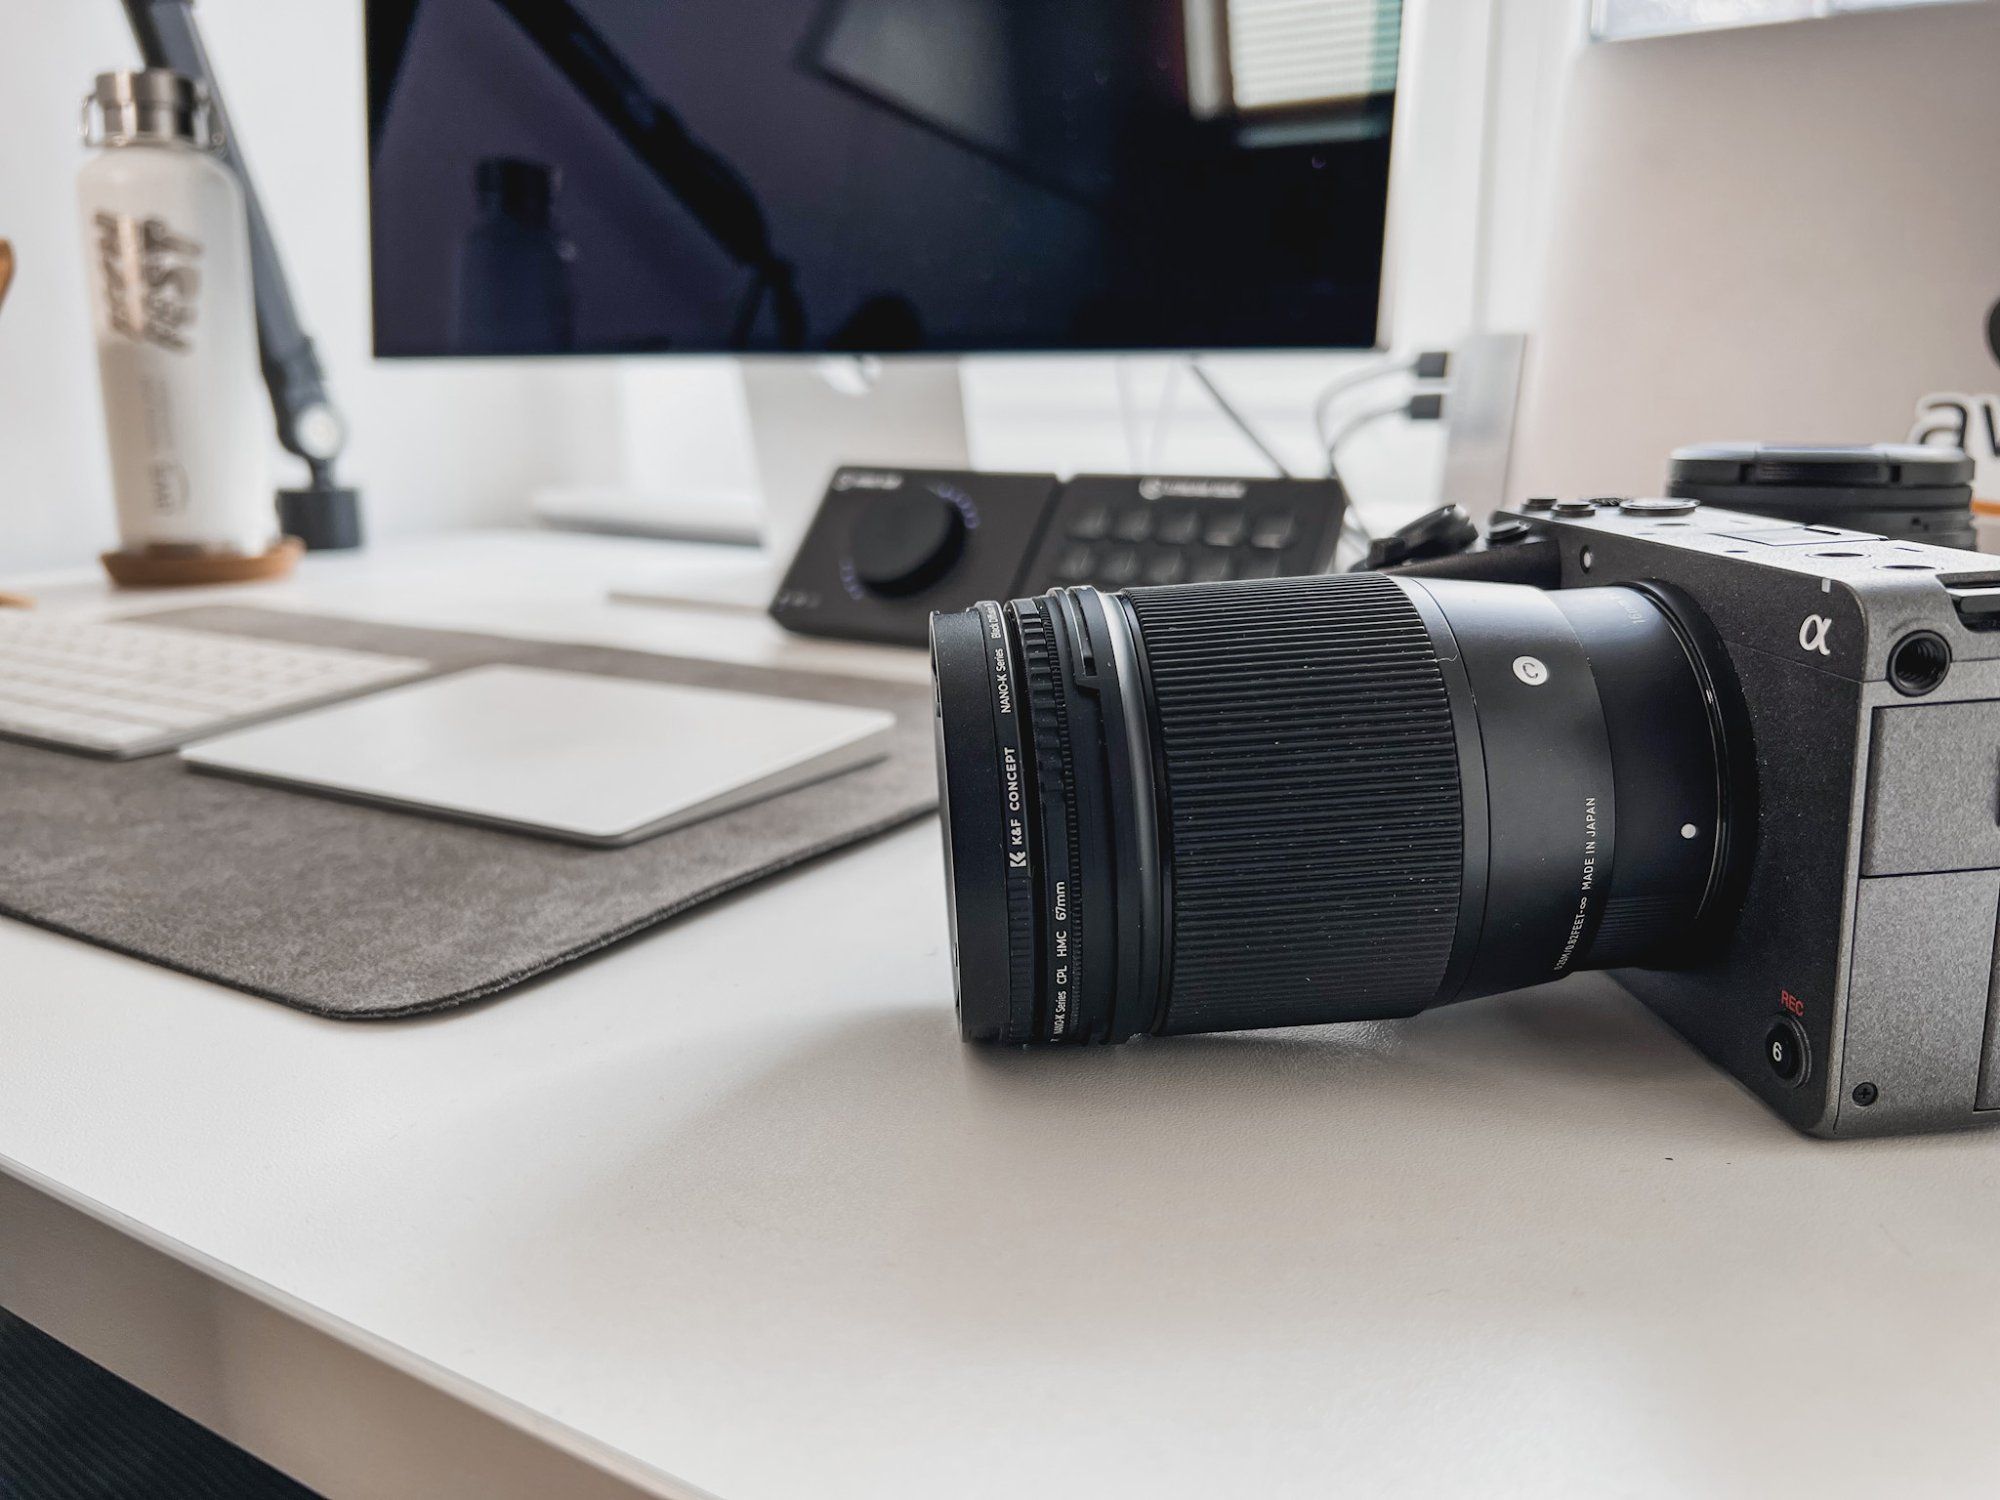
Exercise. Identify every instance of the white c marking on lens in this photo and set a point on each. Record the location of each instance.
(1531, 670)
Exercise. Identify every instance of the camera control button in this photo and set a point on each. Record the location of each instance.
(1275, 531)
(1073, 564)
(1786, 1052)
(1258, 567)
(1226, 528)
(1090, 523)
(1658, 505)
(1134, 525)
(1118, 567)
(1576, 507)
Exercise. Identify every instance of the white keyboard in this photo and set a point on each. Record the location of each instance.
(123, 690)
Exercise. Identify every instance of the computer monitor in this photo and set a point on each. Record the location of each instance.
(942, 176)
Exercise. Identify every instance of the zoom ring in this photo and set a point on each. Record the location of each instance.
(1314, 814)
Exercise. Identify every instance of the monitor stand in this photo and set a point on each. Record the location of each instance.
(806, 420)
(694, 468)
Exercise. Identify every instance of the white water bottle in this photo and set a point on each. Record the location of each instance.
(167, 247)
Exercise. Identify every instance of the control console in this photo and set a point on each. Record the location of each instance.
(888, 546)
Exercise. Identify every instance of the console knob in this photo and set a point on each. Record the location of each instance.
(905, 542)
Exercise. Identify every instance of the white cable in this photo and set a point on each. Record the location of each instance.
(1347, 429)
(1358, 420)
(1353, 380)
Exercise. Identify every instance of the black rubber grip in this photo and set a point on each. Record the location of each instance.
(1316, 822)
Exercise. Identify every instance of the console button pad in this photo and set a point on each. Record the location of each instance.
(1118, 531)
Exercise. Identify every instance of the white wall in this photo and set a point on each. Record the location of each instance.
(440, 444)
(435, 445)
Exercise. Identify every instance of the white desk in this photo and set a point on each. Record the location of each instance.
(730, 1209)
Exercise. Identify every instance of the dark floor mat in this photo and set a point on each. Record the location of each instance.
(70, 1430)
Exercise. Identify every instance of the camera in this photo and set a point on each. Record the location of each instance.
(1748, 764)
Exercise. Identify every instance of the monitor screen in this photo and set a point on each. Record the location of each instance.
(708, 176)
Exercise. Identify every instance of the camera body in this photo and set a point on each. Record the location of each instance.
(1855, 989)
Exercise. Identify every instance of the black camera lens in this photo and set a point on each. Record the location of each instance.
(1301, 800)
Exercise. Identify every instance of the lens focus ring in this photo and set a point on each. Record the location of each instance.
(1316, 826)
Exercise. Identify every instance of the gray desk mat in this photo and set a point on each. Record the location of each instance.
(356, 912)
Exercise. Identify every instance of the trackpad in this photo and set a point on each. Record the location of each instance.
(596, 760)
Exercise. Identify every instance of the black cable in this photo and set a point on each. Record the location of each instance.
(307, 422)
(692, 173)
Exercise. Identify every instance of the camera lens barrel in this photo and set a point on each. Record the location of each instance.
(1303, 800)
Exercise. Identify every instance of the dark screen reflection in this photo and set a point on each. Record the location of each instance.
(606, 176)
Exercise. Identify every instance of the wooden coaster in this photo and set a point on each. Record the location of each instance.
(158, 570)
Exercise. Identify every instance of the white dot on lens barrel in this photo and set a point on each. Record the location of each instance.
(1688, 830)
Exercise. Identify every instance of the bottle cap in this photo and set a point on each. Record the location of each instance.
(517, 188)
(156, 106)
